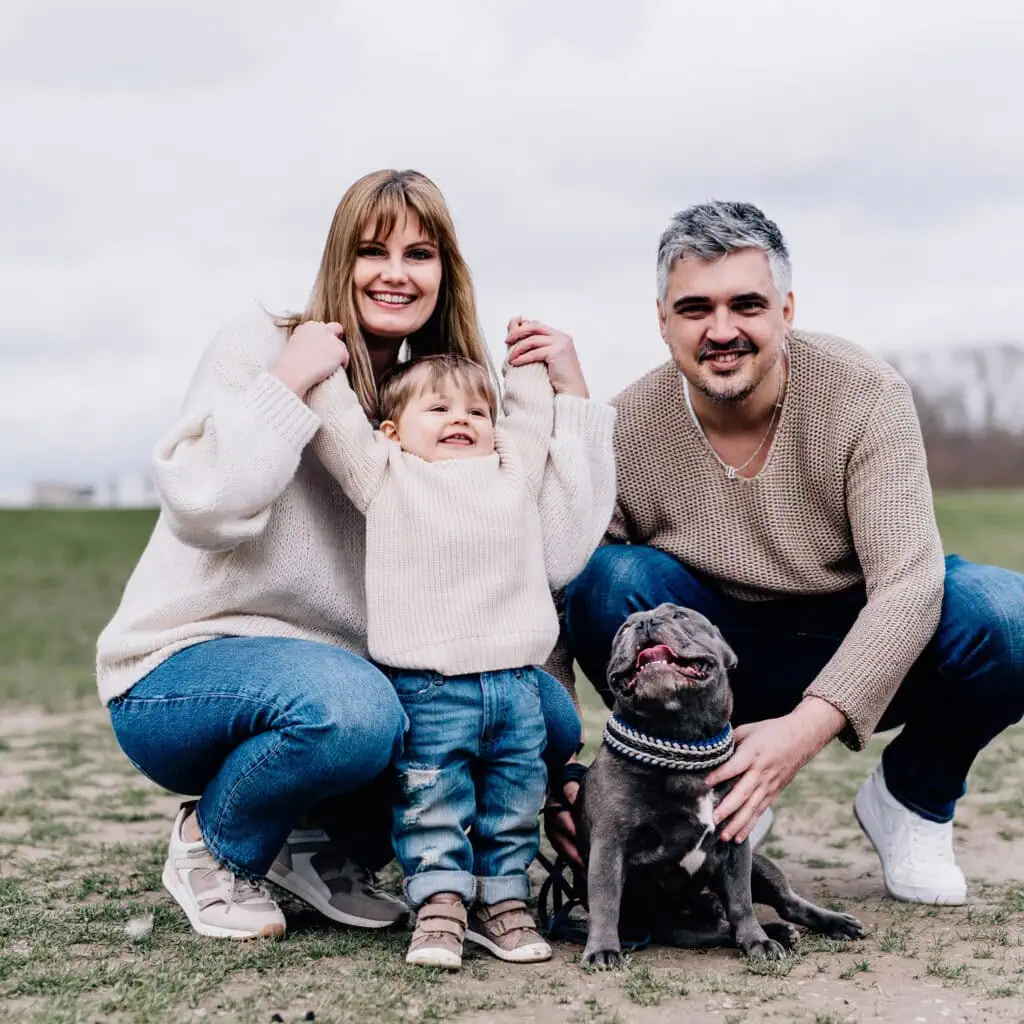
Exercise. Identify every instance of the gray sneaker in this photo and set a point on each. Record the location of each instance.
(311, 867)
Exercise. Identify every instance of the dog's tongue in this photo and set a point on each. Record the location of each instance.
(648, 654)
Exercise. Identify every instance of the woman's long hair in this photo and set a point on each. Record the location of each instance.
(372, 207)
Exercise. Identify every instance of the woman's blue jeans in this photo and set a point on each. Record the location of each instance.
(966, 688)
(267, 730)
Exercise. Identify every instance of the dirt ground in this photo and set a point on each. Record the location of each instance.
(82, 839)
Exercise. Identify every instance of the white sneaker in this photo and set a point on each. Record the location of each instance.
(761, 828)
(311, 867)
(917, 855)
(217, 902)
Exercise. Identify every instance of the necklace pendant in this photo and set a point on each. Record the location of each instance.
(730, 472)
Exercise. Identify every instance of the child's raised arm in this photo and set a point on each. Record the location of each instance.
(577, 495)
(529, 418)
(350, 449)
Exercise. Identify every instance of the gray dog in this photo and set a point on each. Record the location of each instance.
(645, 814)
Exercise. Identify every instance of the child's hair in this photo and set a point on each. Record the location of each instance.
(407, 379)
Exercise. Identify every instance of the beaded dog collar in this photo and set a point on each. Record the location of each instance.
(698, 756)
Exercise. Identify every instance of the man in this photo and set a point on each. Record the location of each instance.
(775, 480)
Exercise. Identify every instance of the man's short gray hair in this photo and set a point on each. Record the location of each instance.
(709, 231)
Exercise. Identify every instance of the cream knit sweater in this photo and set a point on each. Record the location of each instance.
(256, 538)
(456, 575)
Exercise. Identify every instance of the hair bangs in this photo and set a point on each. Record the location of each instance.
(391, 205)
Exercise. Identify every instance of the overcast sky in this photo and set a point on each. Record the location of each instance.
(165, 166)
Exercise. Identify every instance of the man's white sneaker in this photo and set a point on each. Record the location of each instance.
(311, 867)
(217, 902)
(761, 828)
(917, 855)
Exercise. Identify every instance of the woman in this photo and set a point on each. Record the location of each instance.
(235, 667)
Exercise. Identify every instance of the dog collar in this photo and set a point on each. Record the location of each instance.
(698, 756)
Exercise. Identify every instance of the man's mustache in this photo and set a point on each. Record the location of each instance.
(711, 349)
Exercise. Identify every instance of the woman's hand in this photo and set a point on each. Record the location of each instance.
(530, 341)
(559, 826)
(312, 353)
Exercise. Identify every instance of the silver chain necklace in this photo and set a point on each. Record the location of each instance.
(732, 472)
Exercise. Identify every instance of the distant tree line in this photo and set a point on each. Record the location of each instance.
(971, 406)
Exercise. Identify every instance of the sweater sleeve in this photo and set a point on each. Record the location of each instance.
(578, 490)
(529, 418)
(892, 521)
(351, 450)
(234, 448)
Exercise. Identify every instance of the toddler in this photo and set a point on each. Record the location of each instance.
(460, 615)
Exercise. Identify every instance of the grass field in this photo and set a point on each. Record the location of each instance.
(82, 839)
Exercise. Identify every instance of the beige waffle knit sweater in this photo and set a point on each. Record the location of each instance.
(256, 538)
(843, 500)
(457, 576)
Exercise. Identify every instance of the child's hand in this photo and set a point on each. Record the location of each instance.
(312, 353)
(530, 341)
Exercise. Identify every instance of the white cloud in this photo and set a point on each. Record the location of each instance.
(168, 164)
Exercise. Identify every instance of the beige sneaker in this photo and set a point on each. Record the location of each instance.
(311, 867)
(218, 903)
(508, 930)
(440, 929)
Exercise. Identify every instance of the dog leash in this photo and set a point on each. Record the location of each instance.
(564, 890)
(695, 756)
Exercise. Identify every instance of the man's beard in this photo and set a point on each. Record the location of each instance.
(739, 392)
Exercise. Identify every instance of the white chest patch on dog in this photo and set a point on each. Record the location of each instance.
(694, 860)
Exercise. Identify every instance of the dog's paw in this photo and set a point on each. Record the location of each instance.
(602, 959)
(764, 949)
(843, 926)
(782, 932)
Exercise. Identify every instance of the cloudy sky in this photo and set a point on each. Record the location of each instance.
(167, 165)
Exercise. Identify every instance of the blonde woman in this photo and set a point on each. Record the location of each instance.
(235, 668)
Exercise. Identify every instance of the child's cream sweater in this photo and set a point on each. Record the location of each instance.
(457, 576)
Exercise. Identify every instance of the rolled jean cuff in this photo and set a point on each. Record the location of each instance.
(424, 884)
(505, 887)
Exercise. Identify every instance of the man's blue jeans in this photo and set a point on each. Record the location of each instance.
(966, 687)
(472, 764)
(267, 730)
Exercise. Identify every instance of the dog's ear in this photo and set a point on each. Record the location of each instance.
(728, 655)
(615, 655)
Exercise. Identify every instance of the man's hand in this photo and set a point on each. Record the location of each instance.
(768, 755)
(530, 341)
(560, 828)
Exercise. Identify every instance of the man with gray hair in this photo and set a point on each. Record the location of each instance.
(775, 480)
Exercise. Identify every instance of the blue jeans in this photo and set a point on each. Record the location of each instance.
(268, 730)
(472, 763)
(966, 688)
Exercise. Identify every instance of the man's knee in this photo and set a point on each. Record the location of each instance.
(981, 631)
(620, 579)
